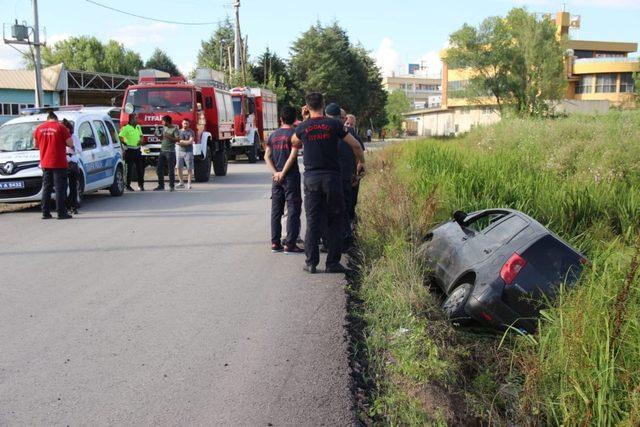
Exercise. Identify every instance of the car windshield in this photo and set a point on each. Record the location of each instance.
(17, 136)
(155, 100)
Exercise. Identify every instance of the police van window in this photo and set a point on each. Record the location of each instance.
(102, 132)
(112, 132)
(85, 131)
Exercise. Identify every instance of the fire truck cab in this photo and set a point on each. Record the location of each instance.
(205, 102)
(255, 117)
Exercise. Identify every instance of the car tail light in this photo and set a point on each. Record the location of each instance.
(512, 267)
(486, 316)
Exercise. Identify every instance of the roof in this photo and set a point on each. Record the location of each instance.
(602, 46)
(26, 80)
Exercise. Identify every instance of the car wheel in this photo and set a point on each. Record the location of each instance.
(453, 305)
(117, 188)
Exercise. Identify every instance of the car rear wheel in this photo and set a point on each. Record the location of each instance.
(453, 305)
(80, 187)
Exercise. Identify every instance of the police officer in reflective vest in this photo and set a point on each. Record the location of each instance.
(131, 138)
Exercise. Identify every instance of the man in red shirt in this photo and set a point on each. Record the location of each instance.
(52, 139)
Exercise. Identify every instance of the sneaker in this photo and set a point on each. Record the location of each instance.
(158, 189)
(293, 250)
(141, 187)
(74, 211)
(129, 188)
(188, 186)
(46, 216)
(311, 269)
(180, 185)
(65, 216)
(337, 268)
(171, 189)
(276, 247)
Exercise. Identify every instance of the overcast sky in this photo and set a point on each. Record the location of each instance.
(396, 32)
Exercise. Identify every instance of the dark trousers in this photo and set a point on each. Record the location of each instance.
(324, 206)
(354, 201)
(133, 158)
(169, 158)
(288, 191)
(54, 178)
(347, 191)
(73, 173)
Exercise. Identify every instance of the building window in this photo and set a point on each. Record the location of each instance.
(585, 85)
(626, 82)
(606, 83)
(456, 88)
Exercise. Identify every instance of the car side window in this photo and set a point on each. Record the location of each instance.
(102, 132)
(112, 132)
(85, 132)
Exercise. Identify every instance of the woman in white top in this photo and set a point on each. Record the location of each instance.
(73, 172)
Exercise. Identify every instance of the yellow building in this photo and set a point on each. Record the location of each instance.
(599, 76)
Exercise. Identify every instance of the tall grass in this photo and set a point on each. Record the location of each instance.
(580, 176)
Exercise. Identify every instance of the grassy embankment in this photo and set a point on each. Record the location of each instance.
(581, 177)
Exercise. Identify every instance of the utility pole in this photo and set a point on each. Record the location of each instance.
(38, 65)
(238, 42)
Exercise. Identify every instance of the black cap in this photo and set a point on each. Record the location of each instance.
(332, 109)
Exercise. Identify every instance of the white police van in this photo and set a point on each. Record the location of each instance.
(100, 161)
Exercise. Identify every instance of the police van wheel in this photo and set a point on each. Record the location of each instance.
(202, 168)
(117, 188)
(80, 187)
(220, 162)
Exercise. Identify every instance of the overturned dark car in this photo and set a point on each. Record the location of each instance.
(498, 267)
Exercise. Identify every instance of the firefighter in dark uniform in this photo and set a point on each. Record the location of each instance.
(286, 184)
(324, 200)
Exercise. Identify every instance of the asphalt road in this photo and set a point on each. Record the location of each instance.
(170, 309)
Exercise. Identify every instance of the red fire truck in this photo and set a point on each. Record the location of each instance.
(255, 117)
(205, 102)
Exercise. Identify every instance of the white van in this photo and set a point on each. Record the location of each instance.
(100, 160)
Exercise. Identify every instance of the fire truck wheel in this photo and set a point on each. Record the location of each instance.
(202, 168)
(252, 153)
(220, 162)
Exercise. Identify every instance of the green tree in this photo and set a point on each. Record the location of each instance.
(213, 52)
(87, 53)
(159, 60)
(324, 60)
(119, 60)
(397, 103)
(271, 71)
(517, 59)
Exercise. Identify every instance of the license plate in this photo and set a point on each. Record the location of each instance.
(11, 185)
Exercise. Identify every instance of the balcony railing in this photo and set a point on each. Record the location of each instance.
(605, 60)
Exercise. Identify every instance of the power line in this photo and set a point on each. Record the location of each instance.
(148, 18)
